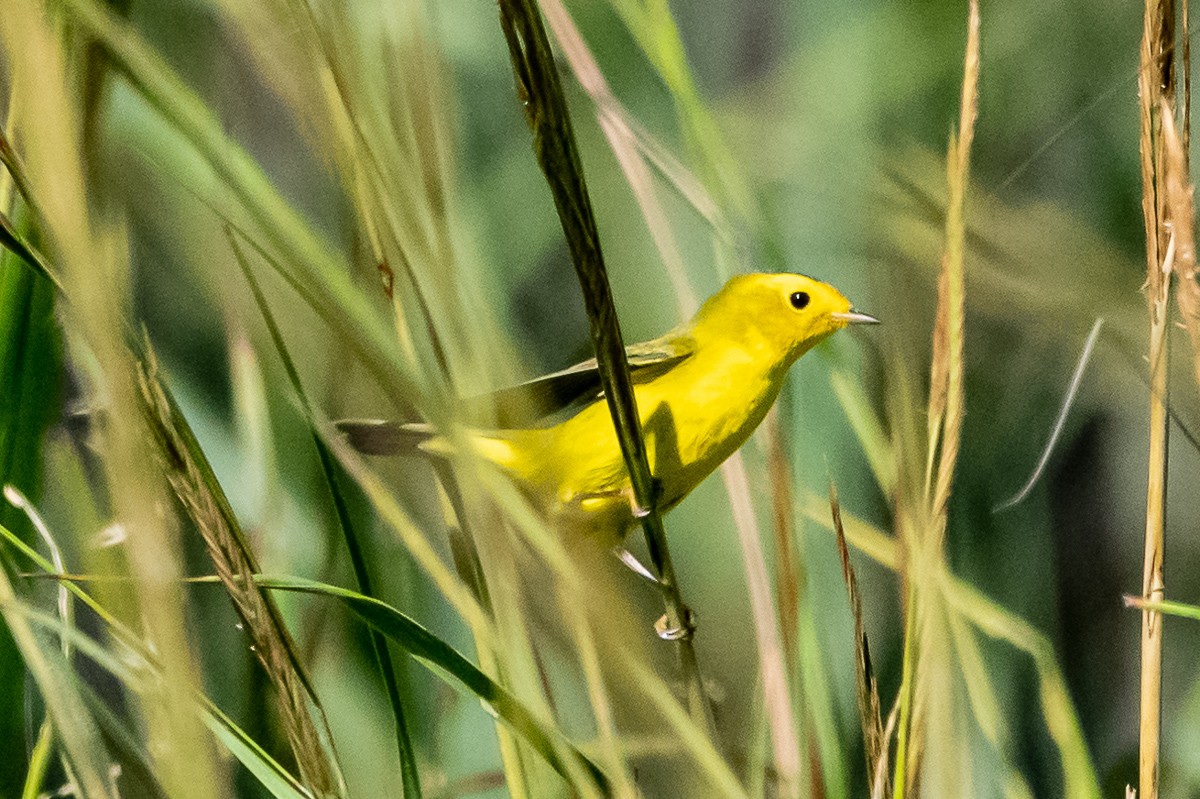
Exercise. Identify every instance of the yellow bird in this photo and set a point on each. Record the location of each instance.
(701, 391)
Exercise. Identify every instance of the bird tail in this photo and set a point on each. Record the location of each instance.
(381, 437)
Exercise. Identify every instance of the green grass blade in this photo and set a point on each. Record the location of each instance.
(14, 242)
(431, 650)
(85, 753)
(281, 783)
(1181, 609)
(1080, 780)
(408, 762)
(30, 366)
(274, 777)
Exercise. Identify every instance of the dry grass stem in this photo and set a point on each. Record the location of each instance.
(866, 688)
(195, 487)
(946, 378)
(1156, 93)
(1181, 216)
(789, 576)
(921, 521)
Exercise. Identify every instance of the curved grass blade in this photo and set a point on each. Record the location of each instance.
(39, 760)
(85, 754)
(274, 777)
(408, 762)
(1068, 402)
(430, 650)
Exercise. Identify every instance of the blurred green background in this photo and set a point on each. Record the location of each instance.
(837, 117)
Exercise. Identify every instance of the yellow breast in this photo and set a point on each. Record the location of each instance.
(693, 418)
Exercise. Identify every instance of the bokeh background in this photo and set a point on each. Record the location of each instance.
(835, 119)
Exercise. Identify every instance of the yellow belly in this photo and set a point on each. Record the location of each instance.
(693, 418)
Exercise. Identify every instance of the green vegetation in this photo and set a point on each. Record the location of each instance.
(226, 225)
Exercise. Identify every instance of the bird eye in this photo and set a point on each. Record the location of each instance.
(799, 300)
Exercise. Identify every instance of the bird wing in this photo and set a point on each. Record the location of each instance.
(527, 403)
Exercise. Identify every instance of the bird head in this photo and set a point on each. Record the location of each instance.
(785, 312)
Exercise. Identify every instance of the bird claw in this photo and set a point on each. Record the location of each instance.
(680, 633)
(638, 510)
(634, 565)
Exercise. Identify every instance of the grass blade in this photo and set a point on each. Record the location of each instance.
(273, 776)
(383, 659)
(432, 651)
(86, 757)
(866, 688)
(1059, 423)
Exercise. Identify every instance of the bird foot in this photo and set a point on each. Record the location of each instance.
(685, 630)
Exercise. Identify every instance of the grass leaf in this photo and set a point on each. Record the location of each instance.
(432, 651)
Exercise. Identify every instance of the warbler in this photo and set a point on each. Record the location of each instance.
(701, 390)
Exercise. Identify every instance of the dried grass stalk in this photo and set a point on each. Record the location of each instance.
(950, 334)
(866, 687)
(1181, 216)
(922, 520)
(195, 486)
(1156, 82)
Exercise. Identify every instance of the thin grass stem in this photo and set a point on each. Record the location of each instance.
(554, 143)
(1156, 90)
(383, 660)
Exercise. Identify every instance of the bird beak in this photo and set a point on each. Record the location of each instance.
(855, 318)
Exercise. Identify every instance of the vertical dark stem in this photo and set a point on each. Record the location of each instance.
(554, 143)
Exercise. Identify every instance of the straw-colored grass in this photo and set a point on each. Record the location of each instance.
(297, 685)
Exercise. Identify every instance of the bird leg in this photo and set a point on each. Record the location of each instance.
(636, 509)
(685, 630)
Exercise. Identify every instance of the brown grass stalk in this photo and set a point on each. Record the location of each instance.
(194, 484)
(870, 717)
(1181, 214)
(1156, 90)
